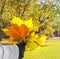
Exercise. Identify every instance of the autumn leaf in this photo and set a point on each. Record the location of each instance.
(30, 45)
(29, 23)
(17, 20)
(16, 31)
(41, 40)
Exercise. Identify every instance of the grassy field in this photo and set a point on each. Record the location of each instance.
(50, 51)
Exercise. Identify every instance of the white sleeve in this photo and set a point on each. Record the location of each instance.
(9, 52)
(1, 52)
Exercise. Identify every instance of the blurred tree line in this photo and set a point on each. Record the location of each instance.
(45, 15)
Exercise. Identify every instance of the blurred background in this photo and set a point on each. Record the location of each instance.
(45, 15)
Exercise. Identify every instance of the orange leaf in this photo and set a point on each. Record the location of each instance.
(17, 32)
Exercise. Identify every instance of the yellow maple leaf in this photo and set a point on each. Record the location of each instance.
(30, 45)
(29, 23)
(17, 20)
(41, 40)
(5, 31)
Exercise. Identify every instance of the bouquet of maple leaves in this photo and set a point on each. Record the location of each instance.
(23, 31)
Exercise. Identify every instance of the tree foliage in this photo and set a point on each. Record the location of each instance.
(44, 17)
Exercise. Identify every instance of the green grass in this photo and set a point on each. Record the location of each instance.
(50, 51)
